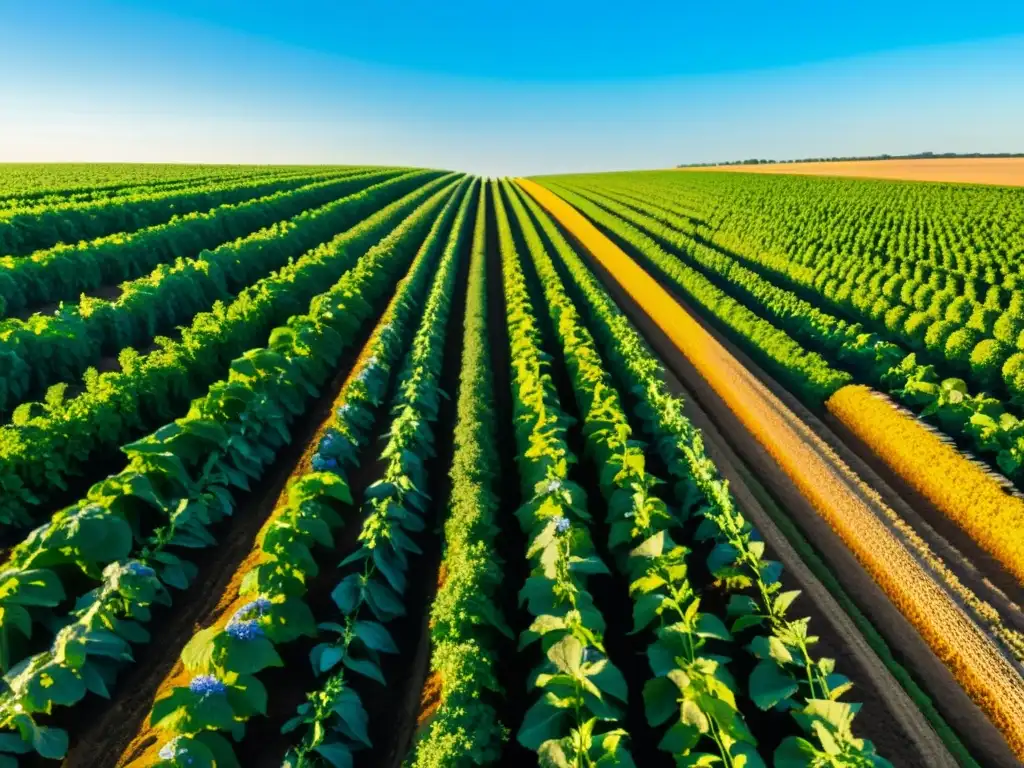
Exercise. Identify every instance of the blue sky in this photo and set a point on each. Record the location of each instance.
(506, 88)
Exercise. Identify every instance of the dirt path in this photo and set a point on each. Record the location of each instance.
(812, 480)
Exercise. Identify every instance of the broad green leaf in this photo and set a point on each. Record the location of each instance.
(769, 685)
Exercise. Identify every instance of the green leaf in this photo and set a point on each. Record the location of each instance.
(51, 743)
(769, 685)
(709, 625)
(354, 719)
(364, 667)
(375, 636)
(783, 600)
(337, 754)
(346, 594)
(660, 700)
(12, 743)
(219, 747)
(567, 655)
(645, 610)
(247, 657)
(248, 696)
(542, 722)
(680, 738)
(796, 752)
(610, 680)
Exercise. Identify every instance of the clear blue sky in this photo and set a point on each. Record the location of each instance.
(504, 88)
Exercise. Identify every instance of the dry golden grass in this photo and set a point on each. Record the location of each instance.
(958, 487)
(1008, 171)
(851, 508)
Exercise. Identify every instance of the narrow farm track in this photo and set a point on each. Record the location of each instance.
(835, 492)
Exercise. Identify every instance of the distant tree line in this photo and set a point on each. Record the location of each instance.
(918, 156)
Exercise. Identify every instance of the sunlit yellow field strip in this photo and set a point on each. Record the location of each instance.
(958, 487)
(834, 490)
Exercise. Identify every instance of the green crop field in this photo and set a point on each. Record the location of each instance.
(385, 466)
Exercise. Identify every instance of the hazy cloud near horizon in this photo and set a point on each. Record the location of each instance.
(202, 92)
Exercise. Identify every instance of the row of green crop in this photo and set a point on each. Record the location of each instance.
(691, 689)
(578, 693)
(63, 272)
(178, 485)
(44, 197)
(58, 347)
(26, 230)
(33, 180)
(465, 619)
(224, 661)
(42, 452)
(787, 676)
(396, 511)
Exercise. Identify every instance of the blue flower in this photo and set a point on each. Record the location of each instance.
(247, 629)
(206, 685)
(553, 486)
(562, 524)
(136, 568)
(592, 654)
(321, 464)
(255, 609)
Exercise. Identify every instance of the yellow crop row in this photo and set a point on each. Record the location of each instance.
(957, 486)
(851, 508)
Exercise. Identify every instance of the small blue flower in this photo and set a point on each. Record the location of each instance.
(321, 464)
(252, 610)
(553, 486)
(136, 568)
(562, 524)
(592, 654)
(261, 604)
(206, 685)
(247, 629)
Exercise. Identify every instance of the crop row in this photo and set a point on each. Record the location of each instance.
(42, 197)
(181, 481)
(464, 728)
(222, 663)
(396, 512)
(578, 693)
(40, 455)
(58, 347)
(34, 180)
(26, 230)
